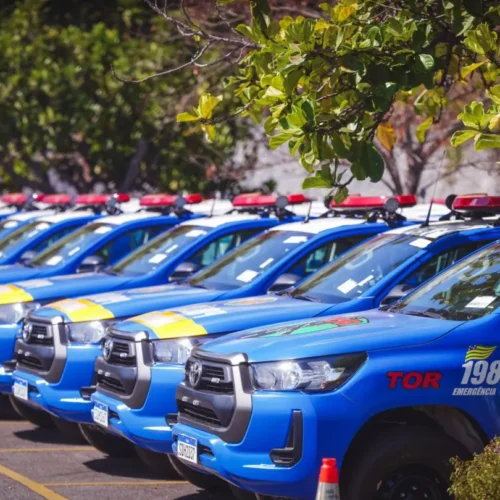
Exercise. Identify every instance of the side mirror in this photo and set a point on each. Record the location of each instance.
(183, 271)
(27, 256)
(398, 292)
(92, 264)
(285, 281)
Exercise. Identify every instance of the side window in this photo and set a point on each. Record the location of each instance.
(439, 263)
(53, 238)
(323, 254)
(220, 246)
(126, 242)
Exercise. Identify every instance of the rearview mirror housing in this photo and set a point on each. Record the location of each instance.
(285, 281)
(183, 271)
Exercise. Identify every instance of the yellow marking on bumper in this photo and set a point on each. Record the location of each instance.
(37, 488)
(117, 483)
(47, 450)
(79, 310)
(9, 294)
(170, 325)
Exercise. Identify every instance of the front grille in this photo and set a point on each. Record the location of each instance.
(111, 383)
(122, 353)
(214, 379)
(40, 334)
(30, 362)
(205, 415)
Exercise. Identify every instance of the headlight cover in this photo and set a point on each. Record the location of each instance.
(14, 313)
(88, 332)
(176, 351)
(308, 375)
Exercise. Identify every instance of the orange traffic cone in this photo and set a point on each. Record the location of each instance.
(328, 487)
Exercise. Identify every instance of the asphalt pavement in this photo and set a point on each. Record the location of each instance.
(38, 463)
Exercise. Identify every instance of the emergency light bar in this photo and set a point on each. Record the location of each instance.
(14, 198)
(166, 200)
(266, 200)
(477, 203)
(357, 202)
(100, 199)
(57, 199)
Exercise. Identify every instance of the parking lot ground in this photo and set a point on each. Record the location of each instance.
(38, 463)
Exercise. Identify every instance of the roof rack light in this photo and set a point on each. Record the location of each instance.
(477, 203)
(357, 202)
(167, 200)
(266, 200)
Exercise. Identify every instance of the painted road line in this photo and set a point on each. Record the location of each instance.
(47, 450)
(118, 483)
(37, 488)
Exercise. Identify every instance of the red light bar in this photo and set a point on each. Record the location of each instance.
(57, 199)
(92, 199)
(439, 201)
(121, 197)
(367, 202)
(165, 200)
(14, 198)
(479, 202)
(265, 200)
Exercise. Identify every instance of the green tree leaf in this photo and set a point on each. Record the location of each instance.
(487, 141)
(461, 136)
(187, 117)
(423, 128)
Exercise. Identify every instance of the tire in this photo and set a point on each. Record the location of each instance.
(207, 482)
(36, 417)
(7, 411)
(241, 494)
(69, 430)
(409, 458)
(157, 462)
(106, 443)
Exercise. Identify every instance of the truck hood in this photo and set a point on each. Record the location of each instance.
(15, 272)
(222, 316)
(331, 335)
(70, 285)
(127, 303)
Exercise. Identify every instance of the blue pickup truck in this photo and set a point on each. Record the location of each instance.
(392, 394)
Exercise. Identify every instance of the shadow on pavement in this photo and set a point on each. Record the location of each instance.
(125, 467)
(39, 435)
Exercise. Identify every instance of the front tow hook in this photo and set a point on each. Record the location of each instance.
(86, 392)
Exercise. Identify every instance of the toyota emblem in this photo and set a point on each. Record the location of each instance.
(195, 370)
(107, 349)
(27, 330)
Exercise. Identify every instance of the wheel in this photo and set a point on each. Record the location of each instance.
(36, 417)
(402, 462)
(7, 411)
(204, 481)
(241, 494)
(69, 430)
(157, 462)
(106, 443)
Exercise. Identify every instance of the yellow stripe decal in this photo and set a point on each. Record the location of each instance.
(11, 293)
(170, 325)
(79, 310)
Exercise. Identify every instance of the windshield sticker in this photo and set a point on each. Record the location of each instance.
(481, 302)
(414, 380)
(79, 310)
(306, 328)
(108, 298)
(156, 259)
(53, 261)
(35, 283)
(168, 325)
(347, 286)
(103, 230)
(73, 251)
(266, 263)
(251, 301)
(247, 276)
(9, 224)
(194, 233)
(172, 248)
(420, 243)
(295, 239)
(42, 226)
(366, 280)
(480, 374)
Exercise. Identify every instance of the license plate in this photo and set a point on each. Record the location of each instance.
(100, 414)
(20, 389)
(187, 449)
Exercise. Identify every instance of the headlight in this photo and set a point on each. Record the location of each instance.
(310, 375)
(13, 313)
(88, 332)
(176, 351)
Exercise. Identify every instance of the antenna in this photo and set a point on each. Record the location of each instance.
(308, 216)
(212, 208)
(428, 218)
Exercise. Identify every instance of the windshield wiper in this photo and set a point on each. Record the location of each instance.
(423, 314)
(305, 297)
(111, 272)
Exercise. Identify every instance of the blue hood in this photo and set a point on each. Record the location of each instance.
(332, 335)
(16, 272)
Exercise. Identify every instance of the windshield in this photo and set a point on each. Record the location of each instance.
(250, 260)
(358, 270)
(22, 234)
(61, 251)
(148, 257)
(468, 290)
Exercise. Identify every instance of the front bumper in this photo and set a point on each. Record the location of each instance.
(146, 426)
(8, 334)
(329, 423)
(63, 398)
